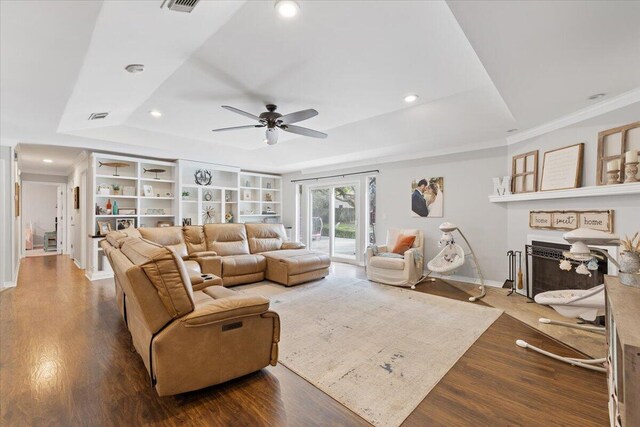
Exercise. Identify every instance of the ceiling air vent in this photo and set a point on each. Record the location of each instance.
(98, 116)
(181, 5)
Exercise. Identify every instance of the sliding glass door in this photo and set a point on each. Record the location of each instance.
(333, 220)
(320, 220)
(345, 225)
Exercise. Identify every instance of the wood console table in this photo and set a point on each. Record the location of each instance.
(623, 355)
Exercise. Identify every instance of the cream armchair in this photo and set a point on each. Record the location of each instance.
(405, 271)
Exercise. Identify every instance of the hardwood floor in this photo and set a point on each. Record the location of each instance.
(66, 359)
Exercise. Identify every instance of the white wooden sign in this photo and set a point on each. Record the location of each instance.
(562, 168)
(570, 220)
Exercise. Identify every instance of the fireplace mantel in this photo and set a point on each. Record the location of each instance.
(593, 191)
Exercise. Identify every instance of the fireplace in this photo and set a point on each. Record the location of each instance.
(544, 273)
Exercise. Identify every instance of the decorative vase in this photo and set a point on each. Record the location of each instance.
(629, 262)
(630, 268)
(613, 177)
(630, 172)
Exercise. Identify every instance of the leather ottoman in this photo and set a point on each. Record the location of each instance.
(294, 266)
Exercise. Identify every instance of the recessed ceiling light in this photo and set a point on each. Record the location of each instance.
(596, 96)
(47, 160)
(410, 98)
(134, 68)
(155, 113)
(287, 8)
(512, 130)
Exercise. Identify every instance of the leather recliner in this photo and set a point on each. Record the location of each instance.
(188, 339)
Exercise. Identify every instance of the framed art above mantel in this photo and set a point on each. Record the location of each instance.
(562, 168)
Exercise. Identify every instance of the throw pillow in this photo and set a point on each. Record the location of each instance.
(403, 244)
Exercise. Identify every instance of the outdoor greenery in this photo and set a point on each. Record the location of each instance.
(344, 216)
(347, 231)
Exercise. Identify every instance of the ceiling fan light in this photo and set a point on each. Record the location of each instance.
(271, 136)
(287, 8)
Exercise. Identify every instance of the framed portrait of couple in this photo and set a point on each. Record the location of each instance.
(427, 197)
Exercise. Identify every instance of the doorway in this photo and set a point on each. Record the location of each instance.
(42, 218)
(333, 221)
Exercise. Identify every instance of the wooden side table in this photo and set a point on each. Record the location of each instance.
(623, 355)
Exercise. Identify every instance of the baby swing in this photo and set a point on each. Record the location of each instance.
(452, 256)
(586, 304)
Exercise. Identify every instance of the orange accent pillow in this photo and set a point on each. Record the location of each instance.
(403, 244)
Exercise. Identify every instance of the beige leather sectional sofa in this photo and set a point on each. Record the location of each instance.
(191, 331)
(242, 253)
(188, 339)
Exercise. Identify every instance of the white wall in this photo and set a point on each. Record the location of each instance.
(626, 208)
(6, 215)
(75, 217)
(36, 177)
(467, 182)
(39, 201)
(9, 223)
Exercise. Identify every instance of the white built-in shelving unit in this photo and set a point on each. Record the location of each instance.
(260, 197)
(220, 197)
(149, 198)
(170, 197)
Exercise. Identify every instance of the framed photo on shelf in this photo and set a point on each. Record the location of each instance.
(103, 227)
(562, 168)
(122, 223)
(147, 190)
(127, 211)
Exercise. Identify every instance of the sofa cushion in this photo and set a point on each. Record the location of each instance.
(239, 265)
(299, 260)
(394, 233)
(194, 238)
(387, 263)
(403, 244)
(166, 236)
(165, 271)
(265, 237)
(226, 239)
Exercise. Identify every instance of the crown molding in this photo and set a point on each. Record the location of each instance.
(595, 110)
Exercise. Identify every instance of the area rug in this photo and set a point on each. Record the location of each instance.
(376, 349)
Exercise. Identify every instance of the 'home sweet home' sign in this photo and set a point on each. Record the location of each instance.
(570, 220)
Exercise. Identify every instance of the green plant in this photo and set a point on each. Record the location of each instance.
(116, 187)
(345, 231)
(185, 194)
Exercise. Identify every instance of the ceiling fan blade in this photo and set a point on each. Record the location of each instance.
(298, 116)
(237, 127)
(244, 113)
(303, 131)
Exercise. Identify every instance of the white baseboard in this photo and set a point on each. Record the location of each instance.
(99, 275)
(7, 285)
(464, 279)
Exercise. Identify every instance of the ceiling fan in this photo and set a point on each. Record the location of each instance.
(274, 121)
